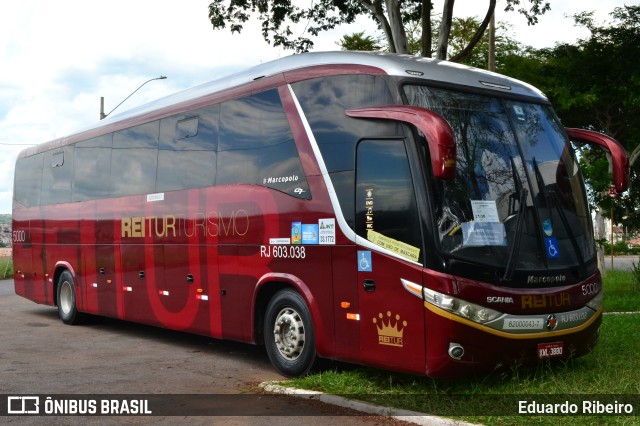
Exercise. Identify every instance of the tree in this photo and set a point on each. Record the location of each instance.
(358, 41)
(595, 84)
(462, 31)
(278, 16)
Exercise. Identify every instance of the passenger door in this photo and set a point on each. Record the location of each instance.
(390, 250)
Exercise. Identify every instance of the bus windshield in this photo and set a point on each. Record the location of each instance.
(517, 201)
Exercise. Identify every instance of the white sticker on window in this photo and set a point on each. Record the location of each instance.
(155, 197)
(483, 234)
(519, 112)
(484, 211)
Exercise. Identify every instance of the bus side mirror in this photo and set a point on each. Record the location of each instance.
(619, 158)
(440, 137)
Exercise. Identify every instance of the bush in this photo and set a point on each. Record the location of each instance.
(6, 268)
(620, 248)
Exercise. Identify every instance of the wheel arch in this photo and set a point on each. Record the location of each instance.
(58, 269)
(267, 287)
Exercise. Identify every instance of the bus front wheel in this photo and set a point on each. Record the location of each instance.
(289, 337)
(66, 298)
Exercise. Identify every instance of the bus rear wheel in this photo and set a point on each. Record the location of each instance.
(66, 297)
(289, 337)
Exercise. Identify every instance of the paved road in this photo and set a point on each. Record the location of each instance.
(40, 355)
(624, 263)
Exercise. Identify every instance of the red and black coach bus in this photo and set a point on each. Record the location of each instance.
(392, 211)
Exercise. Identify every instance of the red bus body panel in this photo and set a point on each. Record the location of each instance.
(207, 261)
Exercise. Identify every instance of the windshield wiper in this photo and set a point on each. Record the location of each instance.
(522, 208)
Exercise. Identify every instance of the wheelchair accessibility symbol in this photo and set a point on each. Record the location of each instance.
(552, 248)
(364, 261)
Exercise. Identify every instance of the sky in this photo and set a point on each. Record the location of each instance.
(57, 58)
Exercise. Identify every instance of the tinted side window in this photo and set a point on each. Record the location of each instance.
(92, 173)
(28, 180)
(141, 136)
(386, 207)
(192, 131)
(134, 160)
(57, 176)
(187, 155)
(92, 168)
(324, 101)
(187, 128)
(133, 171)
(104, 141)
(257, 147)
(185, 169)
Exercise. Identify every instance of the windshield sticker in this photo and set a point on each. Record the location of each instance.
(547, 227)
(551, 244)
(398, 247)
(483, 234)
(296, 233)
(484, 211)
(517, 109)
(327, 231)
(310, 233)
(364, 261)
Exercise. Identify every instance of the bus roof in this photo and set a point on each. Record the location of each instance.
(391, 64)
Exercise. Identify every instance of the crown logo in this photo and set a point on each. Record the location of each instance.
(390, 330)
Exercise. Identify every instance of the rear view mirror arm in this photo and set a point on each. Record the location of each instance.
(439, 134)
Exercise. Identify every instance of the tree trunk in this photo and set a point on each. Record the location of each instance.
(425, 48)
(466, 52)
(445, 30)
(376, 10)
(491, 60)
(397, 27)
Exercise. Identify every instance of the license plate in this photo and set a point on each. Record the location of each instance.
(550, 350)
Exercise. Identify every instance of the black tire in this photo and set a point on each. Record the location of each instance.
(66, 298)
(288, 334)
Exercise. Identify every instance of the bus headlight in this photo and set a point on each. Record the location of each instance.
(462, 308)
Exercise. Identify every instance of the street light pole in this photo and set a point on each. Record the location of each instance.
(103, 115)
(102, 108)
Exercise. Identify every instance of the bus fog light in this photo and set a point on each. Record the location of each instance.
(456, 351)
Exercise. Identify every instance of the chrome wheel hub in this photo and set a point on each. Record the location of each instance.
(289, 333)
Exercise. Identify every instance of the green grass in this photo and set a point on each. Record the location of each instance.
(6, 268)
(621, 293)
(613, 368)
